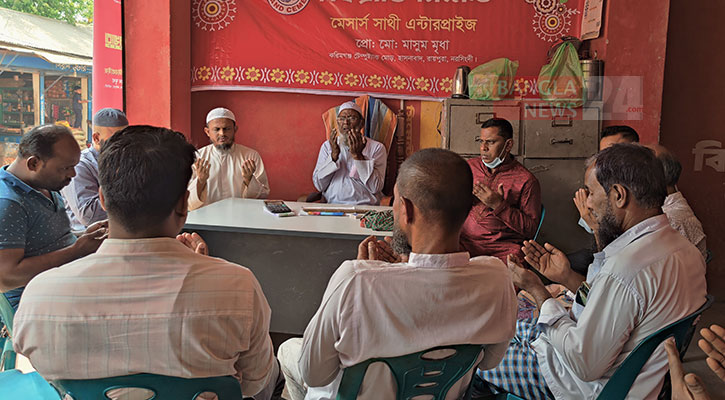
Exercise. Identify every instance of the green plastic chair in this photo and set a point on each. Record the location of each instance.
(541, 222)
(618, 385)
(163, 387)
(416, 374)
(31, 386)
(7, 357)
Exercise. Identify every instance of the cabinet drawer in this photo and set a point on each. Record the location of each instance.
(561, 133)
(464, 126)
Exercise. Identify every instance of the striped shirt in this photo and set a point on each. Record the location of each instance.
(147, 306)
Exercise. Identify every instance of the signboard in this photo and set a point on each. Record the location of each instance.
(107, 55)
(396, 48)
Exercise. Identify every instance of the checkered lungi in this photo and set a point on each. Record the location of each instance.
(518, 372)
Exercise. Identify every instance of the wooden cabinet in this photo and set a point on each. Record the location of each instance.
(552, 143)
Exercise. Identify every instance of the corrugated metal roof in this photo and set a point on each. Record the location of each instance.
(41, 33)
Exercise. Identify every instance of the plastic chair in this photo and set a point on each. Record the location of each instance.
(619, 384)
(31, 386)
(7, 357)
(163, 387)
(416, 374)
(541, 222)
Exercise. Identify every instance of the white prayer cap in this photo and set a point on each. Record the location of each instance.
(350, 105)
(220, 112)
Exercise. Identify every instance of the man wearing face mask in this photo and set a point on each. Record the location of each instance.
(644, 277)
(507, 203)
(350, 167)
(225, 169)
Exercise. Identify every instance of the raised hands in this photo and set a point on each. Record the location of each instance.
(335, 148)
(713, 344)
(488, 196)
(356, 141)
(248, 169)
(194, 242)
(580, 200)
(552, 263)
(380, 250)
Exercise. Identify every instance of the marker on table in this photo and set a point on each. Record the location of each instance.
(327, 213)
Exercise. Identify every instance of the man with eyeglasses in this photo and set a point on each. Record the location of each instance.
(350, 167)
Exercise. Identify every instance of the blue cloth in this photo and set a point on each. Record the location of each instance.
(30, 221)
(81, 196)
(518, 372)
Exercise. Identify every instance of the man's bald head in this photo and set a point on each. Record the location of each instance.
(439, 183)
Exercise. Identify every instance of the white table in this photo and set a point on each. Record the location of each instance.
(292, 257)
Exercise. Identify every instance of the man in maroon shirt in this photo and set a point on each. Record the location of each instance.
(507, 204)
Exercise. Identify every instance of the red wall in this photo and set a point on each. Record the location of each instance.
(286, 129)
(692, 107)
(633, 43)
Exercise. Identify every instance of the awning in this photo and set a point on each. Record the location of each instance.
(53, 58)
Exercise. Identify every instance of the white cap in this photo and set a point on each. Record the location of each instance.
(350, 105)
(220, 112)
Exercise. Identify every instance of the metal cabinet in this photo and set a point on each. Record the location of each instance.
(552, 143)
(464, 119)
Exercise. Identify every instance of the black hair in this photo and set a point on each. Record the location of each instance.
(671, 168)
(143, 172)
(627, 132)
(505, 130)
(40, 140)
(634, 167)
(439, 182)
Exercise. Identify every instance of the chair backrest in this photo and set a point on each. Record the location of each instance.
(541, 222)
(416, 374)
(7, 354)
(619, 384)
(163, 387)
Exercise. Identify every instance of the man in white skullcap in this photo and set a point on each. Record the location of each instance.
(81, 195)
(350, 167)
(225, 169)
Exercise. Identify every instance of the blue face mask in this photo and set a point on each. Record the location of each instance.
(496, 161)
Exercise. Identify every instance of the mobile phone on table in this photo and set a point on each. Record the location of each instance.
(277, 207)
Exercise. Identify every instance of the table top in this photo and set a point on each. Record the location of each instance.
(248, 215)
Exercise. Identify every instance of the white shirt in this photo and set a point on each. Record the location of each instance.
(349, 181)
(147, 306)
(375, 309)
(225, 176)
(683, 219)
(651, 276)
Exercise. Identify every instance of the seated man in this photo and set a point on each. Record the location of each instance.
(145, 302)
(507, 204)
(678, 211)
(350, 167)
(374, 308)
(35, 233)
(225, 169)
(81, 195)
(645, 277)
(617, 134)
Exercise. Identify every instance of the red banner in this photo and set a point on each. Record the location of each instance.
(107, 55)
(399, 48)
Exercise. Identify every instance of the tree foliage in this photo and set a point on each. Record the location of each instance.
(71, 11)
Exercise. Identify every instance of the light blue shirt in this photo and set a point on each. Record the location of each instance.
(31, 221)
(83, 204)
